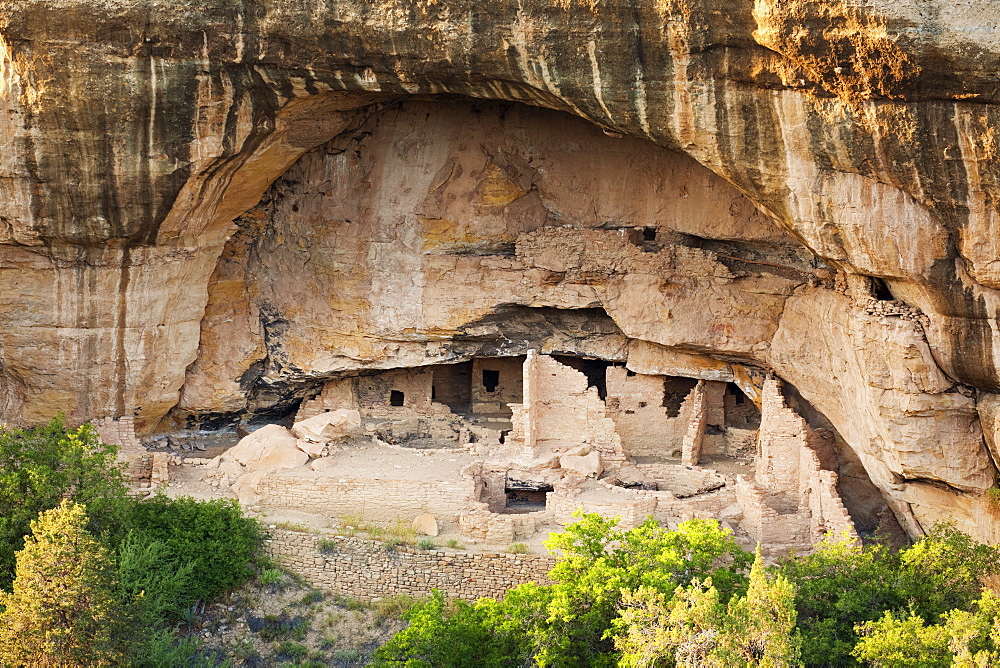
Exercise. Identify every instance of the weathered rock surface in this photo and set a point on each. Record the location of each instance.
(328, 427)
(782, 154)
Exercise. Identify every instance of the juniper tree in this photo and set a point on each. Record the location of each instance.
(61, 611)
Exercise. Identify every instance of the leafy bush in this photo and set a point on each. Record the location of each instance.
(568, 623)
(292, 650)
(214, 537)
(41, 466)
(327, 546)
(962, 638)
(279, 627)
(426, 544)
(441, 635)
(151, 582)
(842, 584)
(517, 548)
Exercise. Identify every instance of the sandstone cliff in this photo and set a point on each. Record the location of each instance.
(208, 209)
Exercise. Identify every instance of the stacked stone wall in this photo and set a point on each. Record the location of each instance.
(366, 569)
(140, 467)
(635, 403)
(560, 410)
(793, 461)
(375, 499)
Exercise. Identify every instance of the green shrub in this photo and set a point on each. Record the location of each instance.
(426, 544)
(842, 585)
(312, 596)
(568, 623)
(41, 466)
(327, 546)
(292, 650)
(518, 548)
(213, 536)
(162, 648)
(454, 544)
(270, 576)
(392, 543)
(280, 627)
(458, 636)
(151, 583)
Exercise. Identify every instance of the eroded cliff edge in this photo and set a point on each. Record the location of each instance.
(820, 179)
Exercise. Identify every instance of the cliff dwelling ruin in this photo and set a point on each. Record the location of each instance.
(490, 333)
(372, 261)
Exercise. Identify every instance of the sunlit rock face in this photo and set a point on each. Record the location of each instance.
(779, 156)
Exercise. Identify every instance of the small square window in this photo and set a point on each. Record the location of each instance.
(491, 380)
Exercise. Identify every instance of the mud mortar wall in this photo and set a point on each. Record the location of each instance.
(366, 569)
(377, 500)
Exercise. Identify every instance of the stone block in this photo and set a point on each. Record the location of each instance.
(425, 524)
(329, 426)
(586, 465)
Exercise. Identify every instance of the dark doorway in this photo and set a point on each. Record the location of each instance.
(451, 385)
(396, 398)
(740, 411)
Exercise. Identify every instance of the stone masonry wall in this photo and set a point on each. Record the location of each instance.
(793, 462)
(380, 500)
(367, 569)
(560, 410)
(139, 463)
(635, 403)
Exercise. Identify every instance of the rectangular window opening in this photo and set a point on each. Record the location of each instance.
(491, 379)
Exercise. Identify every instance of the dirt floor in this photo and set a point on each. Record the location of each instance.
(363, 460)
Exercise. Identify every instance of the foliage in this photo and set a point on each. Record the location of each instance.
(62, 611)
(213, 538)
(568, 622)
(694, 628)
(161, 648)
(459, 636)
(962, 638)
(843, 584)
(597, 562)
(152, 585)
(426, 544)
(42, 465)
(141, 563)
